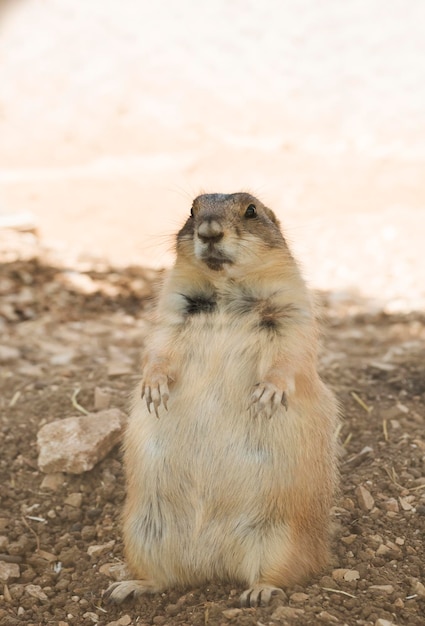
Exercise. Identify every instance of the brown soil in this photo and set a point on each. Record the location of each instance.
(85, 328)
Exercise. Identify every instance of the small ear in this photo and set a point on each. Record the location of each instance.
(272, 216)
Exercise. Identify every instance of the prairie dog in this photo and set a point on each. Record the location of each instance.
(229, 452)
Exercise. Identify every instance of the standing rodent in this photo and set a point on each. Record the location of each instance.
(230, 449)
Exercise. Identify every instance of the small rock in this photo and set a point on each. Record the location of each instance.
(393, 546)
(382, 588)
(100, 549)
(75, 500)
(117, 571)
(383, 550)
(231, 613)
(53, 481)
(4, 541)
(8, 571)
(419, 589)
(376, 539)
(125, 620)
(287, 612)
(338, 574)
(348, 504)
(399, 604)
(76, 444)
(47, 556)
(400, 541)
(327, 617)
(351, 574)
(383, 622)
(391, 505)
(299, 597)
(102, 399)
(35, 591)
(364, 498)
(91, 616)
(349, 540)
(405, 504)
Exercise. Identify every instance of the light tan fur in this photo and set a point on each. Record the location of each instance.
(235, 477)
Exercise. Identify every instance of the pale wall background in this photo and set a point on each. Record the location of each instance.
(114, 114)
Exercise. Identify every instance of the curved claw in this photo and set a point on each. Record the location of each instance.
(267, 398)
(155, 394)
(260, 595)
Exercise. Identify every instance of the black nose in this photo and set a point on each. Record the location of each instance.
(210, 231)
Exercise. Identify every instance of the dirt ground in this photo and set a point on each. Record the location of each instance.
(66, 329)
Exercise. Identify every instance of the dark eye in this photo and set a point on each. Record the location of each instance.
(251, 211)
(191, 211)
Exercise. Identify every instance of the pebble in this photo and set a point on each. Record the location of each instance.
(125, 620)
(299, 597)
(419, 589)
(117, 571)
(8, 571)
(35, 591)
(231, 613)
(3, 542)
(53, 481)
(351, 575)
(97, 550)
(382, 588)
(88, 533)
(405, 504)
(364, 498)
(76, 444)
(345, 574)
(75, 500)
(383, 622)
(391, 505)
(338, 574)
(327, 616)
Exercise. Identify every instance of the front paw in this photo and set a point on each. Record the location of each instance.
(266, 399)
(154, 389)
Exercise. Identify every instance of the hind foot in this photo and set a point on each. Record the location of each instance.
(261, 595)
(118, 592)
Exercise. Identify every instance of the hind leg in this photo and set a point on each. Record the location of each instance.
(286, 560)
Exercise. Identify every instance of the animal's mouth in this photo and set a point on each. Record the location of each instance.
(215, 262)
